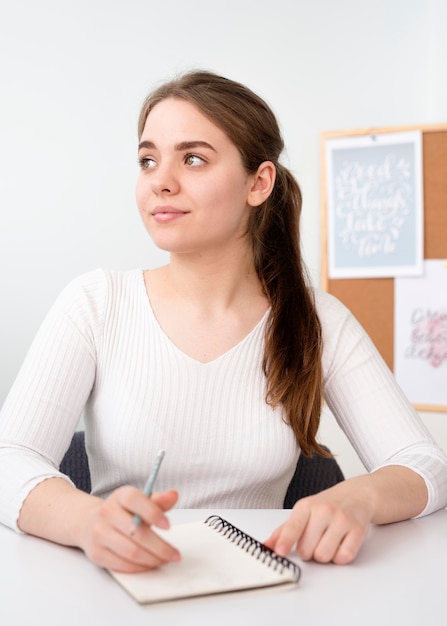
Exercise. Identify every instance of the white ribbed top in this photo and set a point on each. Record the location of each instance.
(101, 348)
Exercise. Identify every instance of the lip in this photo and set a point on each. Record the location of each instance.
(166, 209)
(163, 214)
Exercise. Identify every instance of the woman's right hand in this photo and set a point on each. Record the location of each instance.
(111, 540)
(55, 510)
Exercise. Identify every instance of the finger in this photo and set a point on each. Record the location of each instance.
(271, 541)
(150, 510)
(288, 534)
(320, 544)
(350, 546)
(115, 563)
(122, 553)
(151, 542)
(166, 500)
(317, 536)
(111, 548)
(331, 538)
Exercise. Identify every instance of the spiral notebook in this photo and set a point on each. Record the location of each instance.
(217, 558)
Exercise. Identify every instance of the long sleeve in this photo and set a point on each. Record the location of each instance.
(370, 407)
(44, 405)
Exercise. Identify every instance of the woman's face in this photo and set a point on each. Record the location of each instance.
(193, 192)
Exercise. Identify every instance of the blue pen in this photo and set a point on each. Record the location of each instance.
(148, 487)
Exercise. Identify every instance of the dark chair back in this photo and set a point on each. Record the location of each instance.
(311, 475)
(75, 463)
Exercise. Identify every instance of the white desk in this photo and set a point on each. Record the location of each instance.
(400, 577)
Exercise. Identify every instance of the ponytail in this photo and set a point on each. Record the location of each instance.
(293, 344)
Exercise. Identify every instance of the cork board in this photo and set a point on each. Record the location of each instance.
(371, 300)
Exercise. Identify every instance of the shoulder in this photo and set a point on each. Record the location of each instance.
(331, 312)
(93, 292)
(100, 281)
(344, 339)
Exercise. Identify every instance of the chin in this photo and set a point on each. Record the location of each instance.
(173, 247)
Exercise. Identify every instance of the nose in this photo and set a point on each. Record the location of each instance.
(164, 180)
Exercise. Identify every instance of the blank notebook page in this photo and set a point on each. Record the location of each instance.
(216, 558)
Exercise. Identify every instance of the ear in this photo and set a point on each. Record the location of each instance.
(263, 183)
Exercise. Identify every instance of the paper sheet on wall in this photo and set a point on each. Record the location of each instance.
(375, 205)
(420, 334)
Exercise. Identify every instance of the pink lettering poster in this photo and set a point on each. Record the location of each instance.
(420, 335)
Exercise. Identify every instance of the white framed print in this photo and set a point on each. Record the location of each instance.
(375, 212)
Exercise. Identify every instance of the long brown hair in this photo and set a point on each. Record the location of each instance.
(293, 343)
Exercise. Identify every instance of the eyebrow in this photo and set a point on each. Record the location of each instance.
(184, 145)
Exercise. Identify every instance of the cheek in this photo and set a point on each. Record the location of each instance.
(224, 193)
(140, 194)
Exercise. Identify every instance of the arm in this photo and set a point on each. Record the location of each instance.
(365, 399)
(46, 400)
(37, 422)
(408, 470)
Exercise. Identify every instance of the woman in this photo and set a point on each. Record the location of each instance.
(222, 357)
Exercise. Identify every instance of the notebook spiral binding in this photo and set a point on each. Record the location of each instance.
(253, 546)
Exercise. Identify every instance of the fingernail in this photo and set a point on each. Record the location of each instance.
(175, 557)
(281, 549)
(163, 523)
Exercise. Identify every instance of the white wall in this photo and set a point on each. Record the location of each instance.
(73, 76)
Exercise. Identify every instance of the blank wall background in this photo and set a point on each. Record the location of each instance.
(74, 74)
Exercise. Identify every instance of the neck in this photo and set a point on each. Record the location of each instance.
(212, 281)
(206, 304)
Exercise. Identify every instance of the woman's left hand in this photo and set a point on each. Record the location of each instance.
(328, 526)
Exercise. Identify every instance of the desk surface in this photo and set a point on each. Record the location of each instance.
(399, 577)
